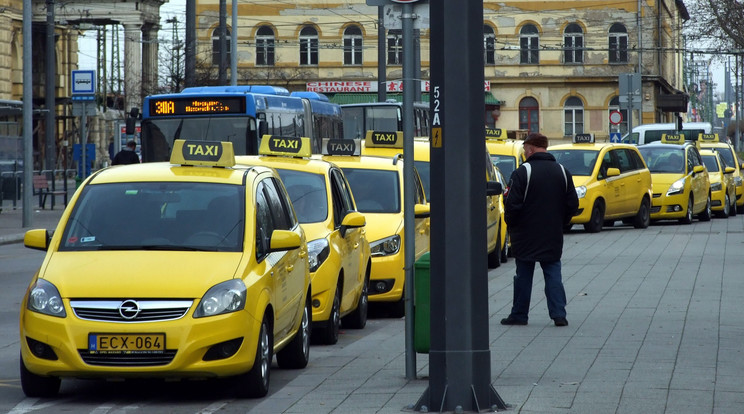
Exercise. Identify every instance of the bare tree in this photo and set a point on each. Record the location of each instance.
(717, 25)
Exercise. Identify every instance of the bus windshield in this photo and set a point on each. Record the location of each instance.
(359, 120)
(158, 134)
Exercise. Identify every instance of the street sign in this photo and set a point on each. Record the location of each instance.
(616, 117)
(629, 85)
(83, 82)
(393, 15)
(615, 137)
(83, 107)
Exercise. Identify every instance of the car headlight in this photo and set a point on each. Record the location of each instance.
(44, 298)
(677, 187)
(385, 247)
(581, 191)
(317, 252)
(737, 181)
(715, 186)
(225, 297)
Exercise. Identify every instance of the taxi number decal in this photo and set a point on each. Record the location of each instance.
(126, 342)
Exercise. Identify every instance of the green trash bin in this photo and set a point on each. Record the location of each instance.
(421, 308)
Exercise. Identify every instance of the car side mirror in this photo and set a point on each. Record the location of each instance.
(352, 220)
(493, 188)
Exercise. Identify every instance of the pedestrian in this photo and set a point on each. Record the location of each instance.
(127, 155)
(540, 203)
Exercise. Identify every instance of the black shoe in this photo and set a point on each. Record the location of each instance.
(560, 321)
(512, 321)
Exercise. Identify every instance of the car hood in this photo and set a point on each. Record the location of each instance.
(661, 181)
(381, 225)
(580, 180)
(140, 274)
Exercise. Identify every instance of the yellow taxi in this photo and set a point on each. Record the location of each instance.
(611, 180)
(337, 246)
(680, 180)
(377, 185)
(722, 189)
(193, 268)
(506, 154)
(495, 224)
(728, 156)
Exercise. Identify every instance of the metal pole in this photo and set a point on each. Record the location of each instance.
(190, 54)
(408, 188)
(50, 92)
(28, 143)
(381, 56)
(223, 42)
(83, 139)
(234, 45)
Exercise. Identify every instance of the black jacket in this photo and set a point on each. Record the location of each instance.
(125, 156)
(536, 221)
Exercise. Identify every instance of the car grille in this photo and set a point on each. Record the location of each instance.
(655, 209)
(127, 359)
(130, 310)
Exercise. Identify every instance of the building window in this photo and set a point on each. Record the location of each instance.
(573, 44)
(216, 45)
(489, 45)
(353, 46)
(308, 46)
(395, 47)
(622, 127)
(529, 44)
(618, 44)
(573, 116)
(265, 46)
(529, 115)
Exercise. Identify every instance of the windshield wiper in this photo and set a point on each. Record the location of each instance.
(163, 247)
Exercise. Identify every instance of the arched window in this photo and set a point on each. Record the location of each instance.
(353, 46)
(529, 45)
(622, 127)
(573, 44)
(489, 45)
(529, 118)
(395, 47)
(216, 45)
(573, 116)
(265, 46)
(618, 44)
(308, 46)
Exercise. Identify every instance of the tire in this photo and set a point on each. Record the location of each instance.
(328, 334)
(643, 218)
(732, 208)
(255, 383)
(358, 318)
(687, 219)
(296, 354)
(726, 212)
(398, 309)
(505, 249)
(596, 220)
(706, 214)
(494, 257)
(37, 386)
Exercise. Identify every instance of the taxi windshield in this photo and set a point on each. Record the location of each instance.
(710, 163)
(308, 194)
(726, 155)
(664, 160)
(375, 191)
(157, 216)
(577, 162)
(505, 163)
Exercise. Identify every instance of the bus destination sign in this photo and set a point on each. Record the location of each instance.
(207, 105)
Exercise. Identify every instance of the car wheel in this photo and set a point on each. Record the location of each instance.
(358, 318)
(687, 219)
(505, 249)
(596, 220)
(255, 383)
(732, 208)
(643, 217)
(726, 208)
(328, 335)
(494, 257)
(37, 386)
(706, 214)
(297, 353)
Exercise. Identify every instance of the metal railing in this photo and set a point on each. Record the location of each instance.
(11, 182)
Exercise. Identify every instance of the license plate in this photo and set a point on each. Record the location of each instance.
(120, 343)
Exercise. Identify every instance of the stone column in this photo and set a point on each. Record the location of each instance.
(150, 59)
(132, 66)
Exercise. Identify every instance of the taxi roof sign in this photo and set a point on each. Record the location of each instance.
(209, 153)
(673, 138)
(583, 139)
(333, 146)
(496, 134)
(384, 139)
(708, 137)
(289, 146)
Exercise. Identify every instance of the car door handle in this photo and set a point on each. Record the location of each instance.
(356, 245)
(289, 268)
(303, 254)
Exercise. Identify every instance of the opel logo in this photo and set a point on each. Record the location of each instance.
(129, 309)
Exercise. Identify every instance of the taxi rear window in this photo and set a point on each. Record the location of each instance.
(375, 191)
(505, 163)
(308, 194)
(157, 216)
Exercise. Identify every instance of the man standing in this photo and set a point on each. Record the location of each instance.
(540, 203)
(127, 155)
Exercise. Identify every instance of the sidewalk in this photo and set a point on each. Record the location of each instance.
(11, 220)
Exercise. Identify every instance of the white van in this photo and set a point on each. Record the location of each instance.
(643, 134)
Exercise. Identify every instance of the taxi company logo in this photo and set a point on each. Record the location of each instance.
(583, 138)
(494, 133)
(709, 137)
(202, 151)
(341, 147)
(384, 138)
(129, 309)
(285, 144)
(674, 138)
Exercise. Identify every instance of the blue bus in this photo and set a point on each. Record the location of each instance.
(239, 114)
